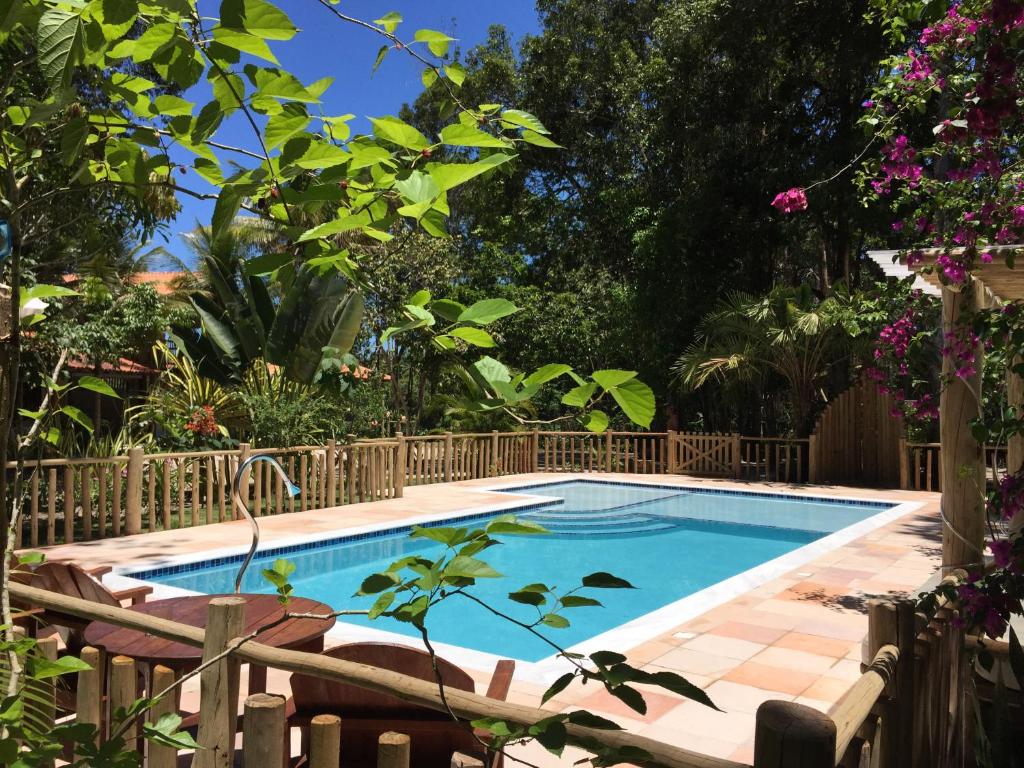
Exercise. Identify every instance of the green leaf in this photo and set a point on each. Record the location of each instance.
(77, 415)
(631, 697)
(437, 42)
(172, 106)
(229, 201)
(450, 175)
(381, 53)
(44, 291)
(381, 604)
(165, 732)
(510, 524)
(557, 687)
(612, 377)
(245, 42)
(449, 310)
(429, 77)
(459, 135)
(527, 598)
(578, 397)
(554, 620)
(590, 720)
(378, 582)
(73, 140)
(491, 370)
(389, 21)
(418, 187)
(636, 400)
(267, 263)
(607, 658)
(478, 337)
(292, 119)
(44, 669)
(97, 385)
(670, 681)
(257, 17)
(546, 373)
(595, 421)
(470, 568)
(486, 311)
(442, 534)
(59, 40)
(523, 119)
(532, 137)
(578, 601)
(398, 132)
(604, 580)
(456, 73)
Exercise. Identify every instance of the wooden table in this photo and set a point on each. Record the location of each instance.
(260, 610)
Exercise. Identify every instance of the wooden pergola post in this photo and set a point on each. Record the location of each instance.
(962, 471)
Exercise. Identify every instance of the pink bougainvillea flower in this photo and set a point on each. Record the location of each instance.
(791, 200)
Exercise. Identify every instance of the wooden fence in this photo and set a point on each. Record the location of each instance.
(86, 499)
(920, 465)
(909, 708)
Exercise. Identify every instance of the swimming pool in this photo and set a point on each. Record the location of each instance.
(670, 542)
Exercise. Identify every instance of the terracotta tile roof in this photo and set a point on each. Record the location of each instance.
(122, 366)
(163, 282)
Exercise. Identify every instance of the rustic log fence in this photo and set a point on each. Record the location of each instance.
(93, 498)
(909, 708)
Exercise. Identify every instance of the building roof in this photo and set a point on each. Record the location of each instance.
(122, 367)
(165, 283)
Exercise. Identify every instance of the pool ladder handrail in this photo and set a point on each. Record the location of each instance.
(236, 496)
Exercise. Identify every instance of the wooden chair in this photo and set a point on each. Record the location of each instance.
(365, 715)
(69, 579)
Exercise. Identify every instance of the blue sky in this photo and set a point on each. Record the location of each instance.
(326, 46)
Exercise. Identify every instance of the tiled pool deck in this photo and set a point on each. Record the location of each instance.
(796, 637)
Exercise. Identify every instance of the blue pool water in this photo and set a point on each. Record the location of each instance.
(668, 542)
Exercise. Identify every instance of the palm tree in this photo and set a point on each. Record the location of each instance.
(788, 332)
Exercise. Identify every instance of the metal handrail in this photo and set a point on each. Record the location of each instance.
(293, 491)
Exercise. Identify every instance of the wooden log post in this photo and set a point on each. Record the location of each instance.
(325, 741)
(122, 690)
(791, 735)
(331, 459)
(812, 459)
(671, 444)
(962, 471)
(734, 447)
(244, 451)
(263, 731)
(158, 755)
(535, 451)
(495, 469)
(218, 684)
(393, 750)
(904, 464)
(906, 626)
(89, 696)
(401, 460)
(608, 451)
(448, 446)
(133, 492)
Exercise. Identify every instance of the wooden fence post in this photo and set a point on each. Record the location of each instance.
(535, 451)
(89, 696)
(904, 464)
(159, 756)
(331, 458)
(123, 690)
(737, 463)
(133, 507)
(400, 462)
(325, 741)
(244, 451)
(608, 450)
(448, 456)
(906, 626)
(393, 750)
(812, 458)
(670, 443)
(218, 684)
(791, 735)
(495, 460)
(263, 731)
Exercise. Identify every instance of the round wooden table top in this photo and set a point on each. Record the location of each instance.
(260, 610)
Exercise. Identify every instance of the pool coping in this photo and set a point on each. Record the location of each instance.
(621, 638)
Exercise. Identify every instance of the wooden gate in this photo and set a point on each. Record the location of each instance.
(857, 440)
(712, 455)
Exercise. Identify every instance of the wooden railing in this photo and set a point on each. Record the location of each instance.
(920, 465)
(264, 716)
(85, 499)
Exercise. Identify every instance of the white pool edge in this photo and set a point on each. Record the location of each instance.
(622, 638)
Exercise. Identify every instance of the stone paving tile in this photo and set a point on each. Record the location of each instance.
(815, 613)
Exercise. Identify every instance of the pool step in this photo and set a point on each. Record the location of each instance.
(566, 523)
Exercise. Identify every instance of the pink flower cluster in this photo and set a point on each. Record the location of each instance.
(920, 66)
(986, 606)
(954, 268)
(953, 30)
(898, 163)
(791, 200)
(961, 349)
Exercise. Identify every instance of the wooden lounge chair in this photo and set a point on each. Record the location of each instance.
(435, 738)
(69, 579)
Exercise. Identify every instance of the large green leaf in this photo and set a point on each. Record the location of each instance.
(243, 41)
(257, 17)
(437, 42)
(399, 132)
(292, 119)
(459, 135)
(59, 39)
(487, 311)
(636, 400)
(449, 175)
